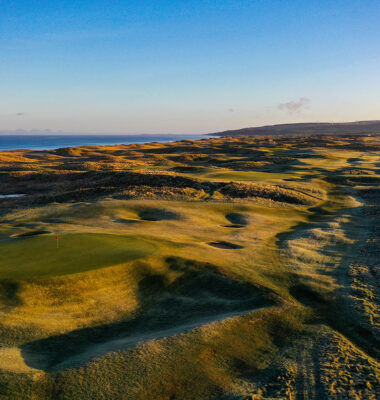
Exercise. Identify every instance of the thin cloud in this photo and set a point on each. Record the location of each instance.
(20, 114)
(295, 106)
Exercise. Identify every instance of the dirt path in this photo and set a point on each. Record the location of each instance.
(308, 385)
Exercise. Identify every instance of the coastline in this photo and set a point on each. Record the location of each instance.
(52, 142)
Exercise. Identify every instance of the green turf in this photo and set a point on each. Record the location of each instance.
(37, 256)
(246, 176)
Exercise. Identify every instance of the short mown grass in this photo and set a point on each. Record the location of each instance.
(38, 256)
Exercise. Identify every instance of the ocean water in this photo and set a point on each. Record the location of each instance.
(49, 142)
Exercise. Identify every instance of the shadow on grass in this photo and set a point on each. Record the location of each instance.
(237, 219)
(157, 214)
(199, 295)
(9, 293)
(225, 245)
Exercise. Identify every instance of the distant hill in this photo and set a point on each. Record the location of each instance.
(309, 128)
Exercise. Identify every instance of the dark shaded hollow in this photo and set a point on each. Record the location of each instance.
(157, 214)
(33, 233)
(306, 295)
(225, 245)
(126, 221)
(237, 218)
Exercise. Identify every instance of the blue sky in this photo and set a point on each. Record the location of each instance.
(186, 66)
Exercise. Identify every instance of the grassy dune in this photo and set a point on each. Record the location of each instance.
(231, 268)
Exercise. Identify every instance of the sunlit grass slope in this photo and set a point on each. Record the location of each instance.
(230, 269)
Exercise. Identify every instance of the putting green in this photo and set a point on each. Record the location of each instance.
(38, 256)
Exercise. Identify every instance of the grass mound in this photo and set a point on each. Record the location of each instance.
(270, 192)
(199, 295)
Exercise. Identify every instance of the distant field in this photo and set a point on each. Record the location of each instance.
(228, 268)
(247, 176)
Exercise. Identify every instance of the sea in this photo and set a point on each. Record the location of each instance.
(50, 142)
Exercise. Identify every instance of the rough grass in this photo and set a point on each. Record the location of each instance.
(136, 304)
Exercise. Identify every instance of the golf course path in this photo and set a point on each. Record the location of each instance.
(308, 384)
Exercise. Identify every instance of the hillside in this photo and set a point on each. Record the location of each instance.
(312, 128)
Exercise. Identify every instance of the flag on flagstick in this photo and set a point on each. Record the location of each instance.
(56, 238)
